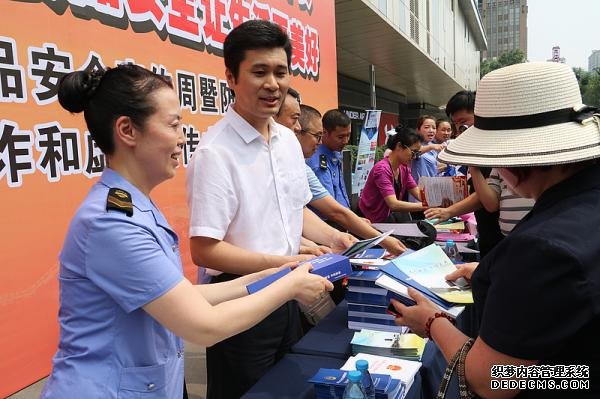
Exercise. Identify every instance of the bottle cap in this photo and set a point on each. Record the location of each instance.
(450, 242)
(362, 365)
(354, 376)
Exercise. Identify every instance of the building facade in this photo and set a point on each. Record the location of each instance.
(594, 60)
(421, 53)
(505, 24)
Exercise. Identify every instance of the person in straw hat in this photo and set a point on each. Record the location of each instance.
(538, 291)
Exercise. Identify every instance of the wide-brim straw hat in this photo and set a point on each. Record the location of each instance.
(525, 115)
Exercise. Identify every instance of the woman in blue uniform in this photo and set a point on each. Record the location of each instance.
(125, 306)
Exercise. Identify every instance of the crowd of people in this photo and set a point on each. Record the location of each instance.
(265, 189)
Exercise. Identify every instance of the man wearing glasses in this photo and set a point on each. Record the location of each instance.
(310, 134)
(326, 162)
(461, 109)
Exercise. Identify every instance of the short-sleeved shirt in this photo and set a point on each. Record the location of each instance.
(316, 188)
(327, 165)
(537, 291)
(380, 184)
(425, 165)
(246, 191)
(111, 265)
(512, 207)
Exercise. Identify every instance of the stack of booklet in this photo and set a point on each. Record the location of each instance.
(330, 384)
(403, 346)
(367, 303)
(425, 271)
(398, 369)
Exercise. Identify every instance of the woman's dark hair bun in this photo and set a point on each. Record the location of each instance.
(75, 89)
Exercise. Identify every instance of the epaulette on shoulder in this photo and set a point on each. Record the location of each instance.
(119, 200)
(323, 161)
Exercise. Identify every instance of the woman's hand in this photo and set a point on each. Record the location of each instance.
(307, 287)
(393, 245)
(464, 270)
(441, 214)
(342, 241)
(416, 316)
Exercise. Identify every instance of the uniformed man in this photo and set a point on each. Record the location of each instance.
(327, 160)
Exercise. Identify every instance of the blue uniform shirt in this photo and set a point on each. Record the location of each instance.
(316, 188)
(110, 266)
(329, 172)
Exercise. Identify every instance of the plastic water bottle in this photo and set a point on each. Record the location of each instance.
(354, 389)
(366, 380)
(451, 251)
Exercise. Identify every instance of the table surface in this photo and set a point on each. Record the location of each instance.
(327, 345)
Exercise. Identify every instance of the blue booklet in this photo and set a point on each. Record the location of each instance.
(331, 266)
(262, 283)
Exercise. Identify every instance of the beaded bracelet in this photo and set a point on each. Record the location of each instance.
(432, 318)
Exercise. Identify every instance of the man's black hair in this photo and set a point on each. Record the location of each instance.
(463, 100)
(253, 35)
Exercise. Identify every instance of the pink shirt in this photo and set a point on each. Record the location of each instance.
(379, 185)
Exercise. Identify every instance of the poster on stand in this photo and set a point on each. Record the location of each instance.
(365, 155)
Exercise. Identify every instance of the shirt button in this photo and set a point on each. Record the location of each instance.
(174, 247)
(150, 386)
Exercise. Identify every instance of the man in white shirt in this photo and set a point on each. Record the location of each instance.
(247, 193)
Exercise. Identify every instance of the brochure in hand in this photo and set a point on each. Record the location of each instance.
(360, 246)
(443, 191)
(425, 270)
(331, 266)
(399, 291)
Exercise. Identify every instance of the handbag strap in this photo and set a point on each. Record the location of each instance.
(457, 363)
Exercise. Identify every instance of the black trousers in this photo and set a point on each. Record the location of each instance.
(234, 365)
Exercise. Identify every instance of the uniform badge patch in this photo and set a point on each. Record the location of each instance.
(119, 200)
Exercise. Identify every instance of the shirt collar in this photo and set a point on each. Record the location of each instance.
(323, 149)
(245, 130)
(113, 179)
(583, 180)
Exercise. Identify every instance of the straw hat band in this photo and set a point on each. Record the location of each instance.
(536, 120)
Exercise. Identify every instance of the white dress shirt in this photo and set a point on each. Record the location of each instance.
(246, 191)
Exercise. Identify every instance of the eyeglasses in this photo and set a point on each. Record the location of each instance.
(414, 154)
(318, 136)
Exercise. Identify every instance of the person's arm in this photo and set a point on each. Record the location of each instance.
(333, 210)
(429, 147)
(320, 232)
(402, 206)
(185, 311)
(223, 256)
(449, 339)
(227, 290)
(489, 198)
(469, 204)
